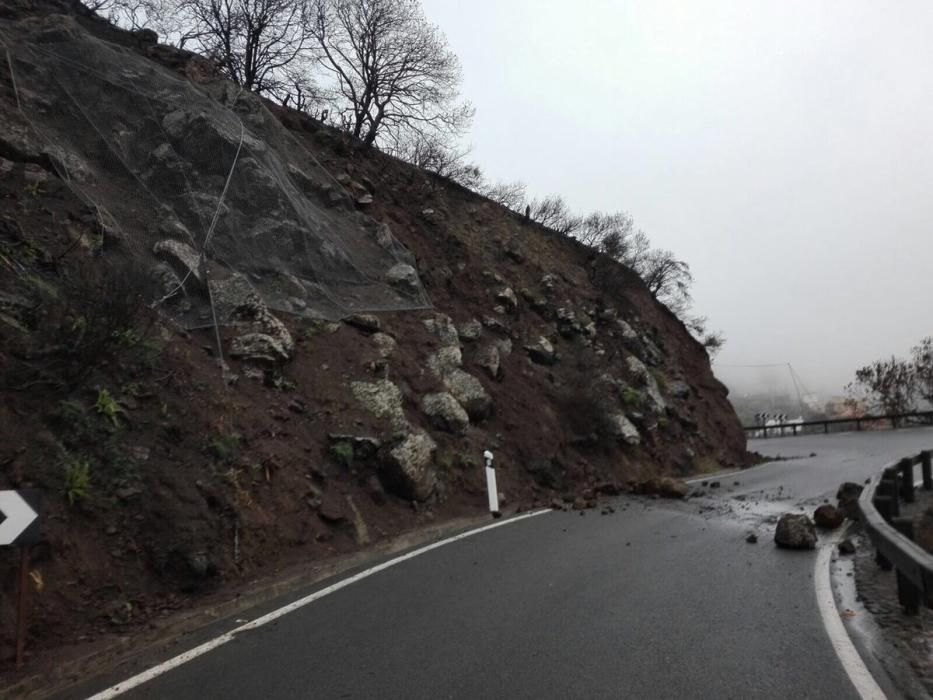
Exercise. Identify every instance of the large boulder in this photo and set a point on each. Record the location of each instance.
(828, 517)
(368, 323)
(258, 347)
(445, 361)
(470, 392)
(383, 399)
(507, 298)
(182, 255)
(445, 412)
(541, 352)
(403, 276)
(847, 499)
(408, 466)
(470, 330)
(665, 487)
(488, 359)
(385, 344)
(443, 328)
(266, 338)
(795, 531)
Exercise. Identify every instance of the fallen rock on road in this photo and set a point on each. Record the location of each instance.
(828, 517)
(795, 531)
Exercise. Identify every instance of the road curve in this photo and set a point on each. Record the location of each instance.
(658, 600)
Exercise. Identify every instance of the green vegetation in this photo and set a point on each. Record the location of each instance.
(447, 461)
(77, 479)
(631, 397)
(225, 446)
(342, 452)
(108, 407)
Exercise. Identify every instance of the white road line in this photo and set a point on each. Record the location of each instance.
(864, 682)
(191, 654)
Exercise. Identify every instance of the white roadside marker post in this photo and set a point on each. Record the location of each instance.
(491, 487)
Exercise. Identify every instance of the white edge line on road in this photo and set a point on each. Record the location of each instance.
(865, 684)
(197, 651)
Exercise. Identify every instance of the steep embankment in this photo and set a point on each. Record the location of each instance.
(166, 476)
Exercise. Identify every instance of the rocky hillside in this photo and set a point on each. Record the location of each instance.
(171, 473)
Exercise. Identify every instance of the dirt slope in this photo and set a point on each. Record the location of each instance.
(559, 362)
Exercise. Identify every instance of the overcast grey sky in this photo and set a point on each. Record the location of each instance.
(784, 149)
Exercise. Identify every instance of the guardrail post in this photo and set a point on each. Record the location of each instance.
(926, 470)
(825, 428)
(889, 487)
(883, 506)
(908, 594)
(906, 466)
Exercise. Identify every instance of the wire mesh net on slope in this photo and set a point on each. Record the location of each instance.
(204, 181)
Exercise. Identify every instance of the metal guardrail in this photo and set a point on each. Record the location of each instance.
(892, 535)
(785, 429)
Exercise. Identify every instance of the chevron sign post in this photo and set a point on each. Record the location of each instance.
(19, 525)
(19, 517)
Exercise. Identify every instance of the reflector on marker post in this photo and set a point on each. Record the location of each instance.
(491, 487)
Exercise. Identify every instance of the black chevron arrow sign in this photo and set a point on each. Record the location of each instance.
(19, 516)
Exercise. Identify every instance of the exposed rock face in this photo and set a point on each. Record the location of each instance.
(471, 394)
(445, 361)
(828, 517)
(507, 298)
(470, 330)
(795, 531)
(383, 399)
(182, 255)
(364, 322)
(645, 379)
(620, 427)
(408, 468)
(445, 413)
(264, 338)
(444, 329)
(488, 359)
(403, 275)
(385, 344)
(542, 352)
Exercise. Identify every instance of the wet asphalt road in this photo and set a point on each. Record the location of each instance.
(658, 600)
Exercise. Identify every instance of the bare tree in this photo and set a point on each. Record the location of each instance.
(434, 154)
(393, 74)
(252, 41)
(257, 44)
(922, 359)
(553, 212)
(668, 279)
(886, 384)
(295, 89)
(508, 194)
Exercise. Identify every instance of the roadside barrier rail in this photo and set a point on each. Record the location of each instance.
(895, 420)
(893, 534)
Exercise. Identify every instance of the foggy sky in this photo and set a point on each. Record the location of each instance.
(782, 148)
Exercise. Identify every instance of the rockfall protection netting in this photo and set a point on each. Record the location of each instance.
(203, 182)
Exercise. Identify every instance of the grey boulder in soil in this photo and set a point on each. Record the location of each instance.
(795, 531)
